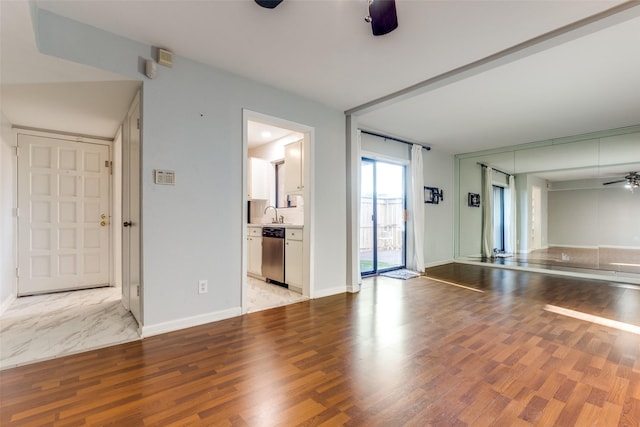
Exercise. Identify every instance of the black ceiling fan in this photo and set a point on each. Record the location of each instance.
(382, 14)
(632, 180)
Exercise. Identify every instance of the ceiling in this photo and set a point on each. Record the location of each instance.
(261, 133)
(323, 50)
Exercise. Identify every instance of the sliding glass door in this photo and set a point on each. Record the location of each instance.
(382, 216)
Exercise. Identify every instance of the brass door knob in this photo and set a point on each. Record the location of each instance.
(103, 223)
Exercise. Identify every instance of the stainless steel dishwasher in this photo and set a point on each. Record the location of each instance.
(273, 254)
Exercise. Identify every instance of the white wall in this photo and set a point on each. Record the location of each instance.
(592, 217)
(7, 221)
(439, 219)
(192, 123)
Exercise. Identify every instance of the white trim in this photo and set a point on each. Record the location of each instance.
(384, 158)
(188, 322)
(332, 291)
(437, 263)
(557, 245)
(63, 136)
(619, 247)
(7, 302)
(308, 287)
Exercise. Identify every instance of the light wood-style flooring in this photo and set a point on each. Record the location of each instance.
(465, 346)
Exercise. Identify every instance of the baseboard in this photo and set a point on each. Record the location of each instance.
(354, 289)
(331, 291)
(7, 302)
(437, 263)
(556, 245)
(188, 322)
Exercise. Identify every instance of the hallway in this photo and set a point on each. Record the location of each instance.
(41, 327)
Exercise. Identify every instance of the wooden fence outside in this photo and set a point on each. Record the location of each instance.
(390, 223)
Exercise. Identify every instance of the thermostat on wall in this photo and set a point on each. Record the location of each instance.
(165, 177)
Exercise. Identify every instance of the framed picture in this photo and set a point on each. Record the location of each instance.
(474, 200)
(433, 195)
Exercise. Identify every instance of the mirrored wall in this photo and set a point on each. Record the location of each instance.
(574, 206)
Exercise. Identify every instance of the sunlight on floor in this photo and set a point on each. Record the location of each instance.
(594, 319)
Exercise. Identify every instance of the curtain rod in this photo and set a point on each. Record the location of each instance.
(484, 165)
(393, 139)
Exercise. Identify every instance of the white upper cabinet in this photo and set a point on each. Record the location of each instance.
(258, 179)
(294, 161)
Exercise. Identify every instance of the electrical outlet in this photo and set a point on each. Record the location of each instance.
(203, 286)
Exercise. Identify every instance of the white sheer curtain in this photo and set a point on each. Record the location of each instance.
(417, 201)
(487, 212)
(358, 156)
(510, 218)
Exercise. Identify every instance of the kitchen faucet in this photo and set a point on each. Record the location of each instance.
(275, 218)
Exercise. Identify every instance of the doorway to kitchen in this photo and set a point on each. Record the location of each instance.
(277, 265)
(382, 221)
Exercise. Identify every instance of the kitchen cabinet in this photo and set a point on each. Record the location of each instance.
(293, 259)
(254, 251)
(294, 172)
(258, 179)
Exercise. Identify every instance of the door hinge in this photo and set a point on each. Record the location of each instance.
(16, 212)
(138, 123)
(17, 151)
(109, 164)
(17, 272)
(138, 290)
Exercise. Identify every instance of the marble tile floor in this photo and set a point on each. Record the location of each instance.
(43, 327)
(262, 295)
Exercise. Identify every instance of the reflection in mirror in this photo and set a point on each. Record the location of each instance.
(576, 207)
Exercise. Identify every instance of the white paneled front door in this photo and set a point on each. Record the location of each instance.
(63, 214)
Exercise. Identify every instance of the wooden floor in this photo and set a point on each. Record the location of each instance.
(417, 352)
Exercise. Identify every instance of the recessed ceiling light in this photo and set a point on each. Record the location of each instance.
(266, 134)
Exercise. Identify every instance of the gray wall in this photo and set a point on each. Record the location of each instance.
(192, 123)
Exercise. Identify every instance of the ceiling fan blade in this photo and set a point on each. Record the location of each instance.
(614, 182)
(269, 4)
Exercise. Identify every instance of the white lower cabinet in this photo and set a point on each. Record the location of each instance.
(293, 259)
(254, 251)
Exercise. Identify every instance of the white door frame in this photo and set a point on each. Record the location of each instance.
(308, 288)
(132, 297)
